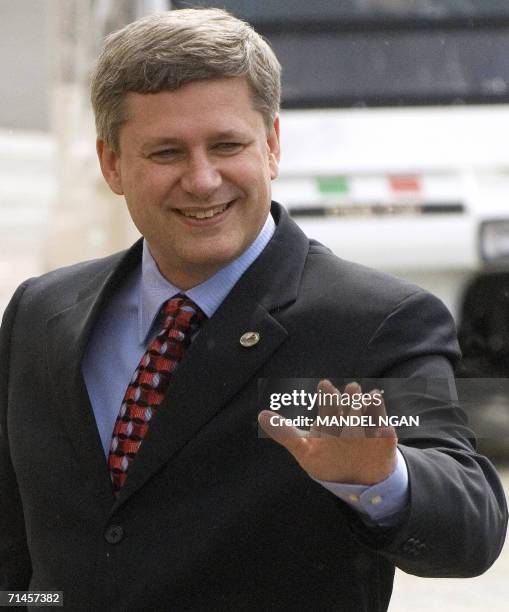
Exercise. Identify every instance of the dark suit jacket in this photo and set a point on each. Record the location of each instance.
(212, 517)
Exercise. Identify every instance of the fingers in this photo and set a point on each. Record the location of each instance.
(350, 414)
(352, 403)
(373, 407)
(328, 406)
(376, 410)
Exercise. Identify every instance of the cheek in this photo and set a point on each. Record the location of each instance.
(252, 174)
(145, 187)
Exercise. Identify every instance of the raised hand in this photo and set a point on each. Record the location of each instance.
(332, 452)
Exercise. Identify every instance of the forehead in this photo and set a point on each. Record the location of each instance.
(207, 105)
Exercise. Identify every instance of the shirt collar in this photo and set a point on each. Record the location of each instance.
(155, 289)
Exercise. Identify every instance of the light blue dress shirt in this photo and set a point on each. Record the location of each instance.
(126, 327)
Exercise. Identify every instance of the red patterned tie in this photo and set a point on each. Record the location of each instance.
(149, 384)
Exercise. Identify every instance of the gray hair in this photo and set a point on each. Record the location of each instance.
(166, 50)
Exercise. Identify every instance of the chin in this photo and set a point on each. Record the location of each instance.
(215, 256)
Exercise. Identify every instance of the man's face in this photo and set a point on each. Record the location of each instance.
(195, 167)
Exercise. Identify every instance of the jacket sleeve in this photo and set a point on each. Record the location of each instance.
(15, 566)
(456, 520)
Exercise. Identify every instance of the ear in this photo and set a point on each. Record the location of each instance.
(110, 166)
(273, 149)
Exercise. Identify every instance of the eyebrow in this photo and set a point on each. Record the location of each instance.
(228, 135)
(224, 135)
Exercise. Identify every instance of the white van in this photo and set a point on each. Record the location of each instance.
(395, 130)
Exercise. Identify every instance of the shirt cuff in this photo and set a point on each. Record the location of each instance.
(382, 503)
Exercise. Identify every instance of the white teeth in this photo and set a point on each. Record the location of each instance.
(204, 214)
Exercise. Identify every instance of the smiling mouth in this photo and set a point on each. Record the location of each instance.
(204, 213)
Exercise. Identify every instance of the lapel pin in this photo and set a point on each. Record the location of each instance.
(250, 339)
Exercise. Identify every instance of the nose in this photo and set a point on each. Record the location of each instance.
(200, 177)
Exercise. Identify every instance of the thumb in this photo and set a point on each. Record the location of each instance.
(288, 436)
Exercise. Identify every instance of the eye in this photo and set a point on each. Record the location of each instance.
(166, 154)
(228, 147)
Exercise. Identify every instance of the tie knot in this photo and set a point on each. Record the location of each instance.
(182, 313)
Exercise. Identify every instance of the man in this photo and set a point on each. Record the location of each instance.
(153, 490)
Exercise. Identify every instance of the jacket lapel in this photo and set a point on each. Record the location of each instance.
(68, 332)
(217, 366)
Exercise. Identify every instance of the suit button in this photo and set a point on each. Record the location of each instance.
(114, 534)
